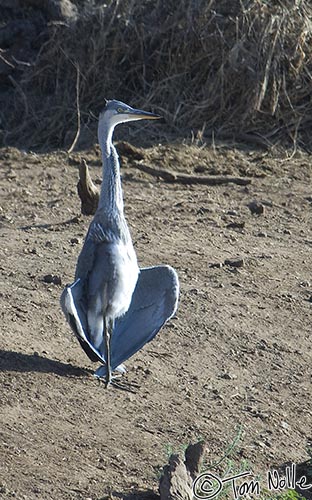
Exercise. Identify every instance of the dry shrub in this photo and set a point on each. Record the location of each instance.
(229, 67)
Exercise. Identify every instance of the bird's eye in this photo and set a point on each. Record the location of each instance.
(120, 110)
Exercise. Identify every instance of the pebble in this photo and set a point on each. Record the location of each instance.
(256, 207)
(200, 169)
(216, 265)
(50, 278)
(236, 225)
(74, 241)
(284, 424)
(237, 262)
(305, 284)
(228, 376)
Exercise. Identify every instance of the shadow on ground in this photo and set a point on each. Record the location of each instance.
(20, 362)
(135, 495)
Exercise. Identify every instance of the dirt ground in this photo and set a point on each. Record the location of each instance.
(236, 359)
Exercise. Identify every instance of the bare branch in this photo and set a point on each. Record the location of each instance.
(210, 180)
(78, 112)
(87, 191)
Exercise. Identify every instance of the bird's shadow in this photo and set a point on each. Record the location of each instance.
(22, 363)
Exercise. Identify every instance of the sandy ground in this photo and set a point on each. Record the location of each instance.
(236, 359)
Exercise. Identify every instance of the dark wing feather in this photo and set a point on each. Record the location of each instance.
(74, 307)
(74, 299)
(83, 301)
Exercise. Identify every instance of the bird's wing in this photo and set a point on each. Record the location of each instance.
(96, 237)
(74, 306)
(154, 301)
(82, 301)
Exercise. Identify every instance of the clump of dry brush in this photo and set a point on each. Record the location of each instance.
(232, 68)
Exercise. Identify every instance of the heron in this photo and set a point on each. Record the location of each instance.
(113, 307)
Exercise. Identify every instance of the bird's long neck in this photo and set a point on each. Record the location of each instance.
(111, 193)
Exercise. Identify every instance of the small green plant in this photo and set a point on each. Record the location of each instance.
(230, 450)
(286, 495)
(235, 476)
(168, 450)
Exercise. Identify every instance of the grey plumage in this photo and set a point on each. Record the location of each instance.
(154, 301)
(112, 307)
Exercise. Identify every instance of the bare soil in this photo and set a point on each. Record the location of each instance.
(237, 354)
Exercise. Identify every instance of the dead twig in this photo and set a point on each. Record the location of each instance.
(5, 60)
(87, 191)
(78, 112)
(175, 177)
(178, 475)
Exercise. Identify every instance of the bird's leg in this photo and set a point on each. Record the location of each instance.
(109, 378)
(108, 329)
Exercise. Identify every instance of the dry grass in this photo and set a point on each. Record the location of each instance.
(227, 68)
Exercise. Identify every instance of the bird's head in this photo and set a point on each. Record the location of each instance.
(116, 112)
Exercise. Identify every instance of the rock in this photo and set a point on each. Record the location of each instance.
(256, 207)
(74, 241)
(236, 225)
(305, 284)
(194, 455)
(50, 278)
(228, 376)
(178, 475)
(237, 262)
(175, 483)
(200, 169)
(216, 265)
(88, 193)
(284, 424)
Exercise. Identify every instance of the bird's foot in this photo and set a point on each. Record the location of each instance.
(108, 379)
(113, 380)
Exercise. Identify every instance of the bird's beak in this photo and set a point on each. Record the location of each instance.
(143, 115)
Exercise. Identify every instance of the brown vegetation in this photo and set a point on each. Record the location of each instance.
(222, 68)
